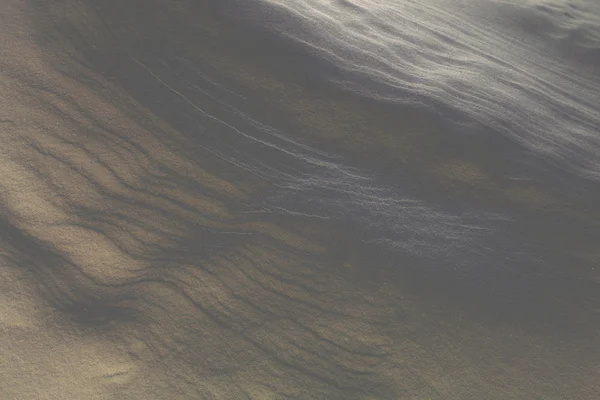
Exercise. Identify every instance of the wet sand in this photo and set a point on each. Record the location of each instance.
(189, 211)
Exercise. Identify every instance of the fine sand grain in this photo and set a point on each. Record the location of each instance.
(188, 212)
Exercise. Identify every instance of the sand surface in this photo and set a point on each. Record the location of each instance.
(189, 210)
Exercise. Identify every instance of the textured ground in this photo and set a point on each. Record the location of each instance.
(138, 261)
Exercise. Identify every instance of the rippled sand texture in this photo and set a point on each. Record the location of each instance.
(192, 209)
(527, 69)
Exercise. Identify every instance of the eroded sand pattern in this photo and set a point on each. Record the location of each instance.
(189, 211)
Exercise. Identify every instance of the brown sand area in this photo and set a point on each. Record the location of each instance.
(129, 268)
